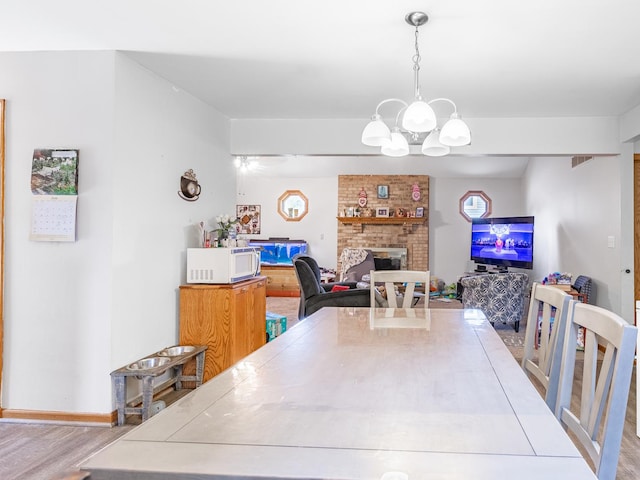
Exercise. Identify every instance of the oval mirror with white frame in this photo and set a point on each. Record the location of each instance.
(293, 205)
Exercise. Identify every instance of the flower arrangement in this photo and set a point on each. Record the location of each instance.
(225, 225)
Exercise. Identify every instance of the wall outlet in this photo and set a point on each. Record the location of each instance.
(611, 241)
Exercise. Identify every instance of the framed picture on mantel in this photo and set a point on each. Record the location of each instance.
(382, 212)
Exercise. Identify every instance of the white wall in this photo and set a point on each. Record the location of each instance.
(318, 227)
(160, 133)
(577, 210)
(450, 233)
(57, 322)
(76, 311)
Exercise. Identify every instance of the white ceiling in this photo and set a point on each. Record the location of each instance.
(339, 58)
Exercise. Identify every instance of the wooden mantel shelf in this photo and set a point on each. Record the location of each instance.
(381, 220)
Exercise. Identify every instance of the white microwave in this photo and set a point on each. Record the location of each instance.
(222, 265)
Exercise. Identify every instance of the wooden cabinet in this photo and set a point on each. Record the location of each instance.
(281, 280)
(229, 319)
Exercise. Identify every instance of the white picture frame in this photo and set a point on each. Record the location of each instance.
(382, 212)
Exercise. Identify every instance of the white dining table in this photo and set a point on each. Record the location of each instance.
(358, 393)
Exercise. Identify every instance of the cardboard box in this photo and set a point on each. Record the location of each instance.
(276, 325)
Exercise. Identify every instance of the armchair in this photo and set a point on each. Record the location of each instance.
(313, 296)
(500, 296)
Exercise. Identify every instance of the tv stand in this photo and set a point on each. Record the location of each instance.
(480, 269)
(499, 270)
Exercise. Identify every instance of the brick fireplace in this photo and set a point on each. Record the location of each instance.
(412, 235)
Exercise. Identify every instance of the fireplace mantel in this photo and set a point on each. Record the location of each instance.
(358, 223)
(381, 220)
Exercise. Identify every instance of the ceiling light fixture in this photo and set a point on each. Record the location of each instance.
(417, 118)
(245, 164)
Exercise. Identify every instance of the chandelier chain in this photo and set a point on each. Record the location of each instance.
(416, 66)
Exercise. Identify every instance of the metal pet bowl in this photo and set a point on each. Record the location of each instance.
(149, 362)
(176, 351)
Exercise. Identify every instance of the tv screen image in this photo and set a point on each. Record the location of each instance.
(503, 241)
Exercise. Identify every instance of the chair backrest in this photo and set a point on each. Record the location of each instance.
(389, 278)
(315, 268)
(605, 388)
(584, 285)
(546, 326)
(309, 285)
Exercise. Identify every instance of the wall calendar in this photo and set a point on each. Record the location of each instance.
(53, 218)
(54, 184)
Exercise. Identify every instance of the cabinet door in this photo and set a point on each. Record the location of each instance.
(257, 315)
(240, 324)
(205, 319)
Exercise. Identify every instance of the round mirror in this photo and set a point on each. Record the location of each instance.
(293, 205)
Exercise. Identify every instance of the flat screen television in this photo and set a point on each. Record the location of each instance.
(503, 242)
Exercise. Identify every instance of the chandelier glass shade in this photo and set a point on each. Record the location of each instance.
(432, 145)
(416, 117)
(398, 146)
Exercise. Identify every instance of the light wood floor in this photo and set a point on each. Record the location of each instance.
(52, 452)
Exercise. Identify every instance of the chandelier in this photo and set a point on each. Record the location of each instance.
(245, 164)
(418, 118)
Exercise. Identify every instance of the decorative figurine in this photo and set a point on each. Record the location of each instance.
(415, 192)
(362, 198)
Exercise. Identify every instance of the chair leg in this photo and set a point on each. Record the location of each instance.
(516, 325)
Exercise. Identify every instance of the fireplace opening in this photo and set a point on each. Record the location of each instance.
(389, 258)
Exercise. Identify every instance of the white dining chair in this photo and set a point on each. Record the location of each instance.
(546, 325)
(388, 279)
(609, 350)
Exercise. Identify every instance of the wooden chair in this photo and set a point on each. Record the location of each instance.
(389, 279)
(547, 318)
(605, 387)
